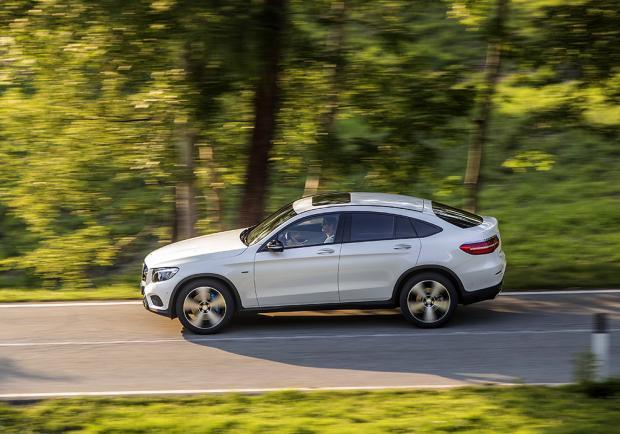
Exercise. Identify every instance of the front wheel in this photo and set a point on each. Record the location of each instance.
(428, 300)
(205, 306)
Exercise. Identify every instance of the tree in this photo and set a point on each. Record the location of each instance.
(335, 62)
(266, 103)
(481, 119)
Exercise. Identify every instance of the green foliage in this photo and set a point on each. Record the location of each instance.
(491, 409)
(95, 97)
(118, 291)
(584, 376)
(601, 389)
(584, 368)
(92, 103)
(536, 160)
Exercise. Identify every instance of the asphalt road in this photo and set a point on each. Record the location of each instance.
(61, 349)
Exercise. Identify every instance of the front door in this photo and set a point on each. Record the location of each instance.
(306, 272)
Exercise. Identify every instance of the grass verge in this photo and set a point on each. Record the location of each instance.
(522, 409)
(112, 292)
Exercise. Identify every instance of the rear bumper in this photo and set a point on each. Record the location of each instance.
(469, 297)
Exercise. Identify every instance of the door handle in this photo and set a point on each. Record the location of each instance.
(402, 247)
(325, 251)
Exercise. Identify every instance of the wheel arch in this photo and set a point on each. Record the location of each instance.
(444, 271)
(194, 277)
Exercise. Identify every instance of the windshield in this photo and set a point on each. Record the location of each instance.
(262, 229)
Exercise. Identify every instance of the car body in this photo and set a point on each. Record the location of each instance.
(380, 246)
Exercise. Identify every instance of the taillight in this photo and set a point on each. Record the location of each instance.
(482, 247)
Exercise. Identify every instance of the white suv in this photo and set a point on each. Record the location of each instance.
(335, 250)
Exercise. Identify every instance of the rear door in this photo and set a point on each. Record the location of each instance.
(377, 248)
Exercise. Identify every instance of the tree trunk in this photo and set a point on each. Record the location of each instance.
(211, 187)
(478, 137)
(185, 190)
(313, 178)
(265, 110)
(336, 66)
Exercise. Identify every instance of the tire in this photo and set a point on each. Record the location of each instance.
(205, 306)
(428, 300)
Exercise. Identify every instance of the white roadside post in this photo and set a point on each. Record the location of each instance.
(600, 346)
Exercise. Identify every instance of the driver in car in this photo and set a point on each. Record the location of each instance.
(329, 229)
(293, 237)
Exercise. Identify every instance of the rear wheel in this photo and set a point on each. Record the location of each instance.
(205, 306)
(428, 300)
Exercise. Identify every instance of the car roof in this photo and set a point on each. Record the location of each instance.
(358, 198)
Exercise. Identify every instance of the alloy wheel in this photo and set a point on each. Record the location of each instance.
(204, 307)
(428, 301)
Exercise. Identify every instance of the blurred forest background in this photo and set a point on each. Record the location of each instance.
(127, 124)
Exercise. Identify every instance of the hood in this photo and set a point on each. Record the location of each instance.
(227, 243)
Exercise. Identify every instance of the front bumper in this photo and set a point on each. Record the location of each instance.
(148, 303)
(162, 312)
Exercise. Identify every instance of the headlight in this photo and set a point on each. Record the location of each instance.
(161, 274)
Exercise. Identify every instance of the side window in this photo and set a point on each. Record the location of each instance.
(368, 226)
(425, 229)
(311, 231)
(404, 228)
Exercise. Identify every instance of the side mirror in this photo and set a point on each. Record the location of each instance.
(275, 246)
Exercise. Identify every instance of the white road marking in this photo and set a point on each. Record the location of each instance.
(120, 303)
(258, 390)
(72, 304)
(424, 335)
(561, 292)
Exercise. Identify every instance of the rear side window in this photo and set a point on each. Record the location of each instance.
(404, 228)
(458, 217)
(371, 226)
(424, 229)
